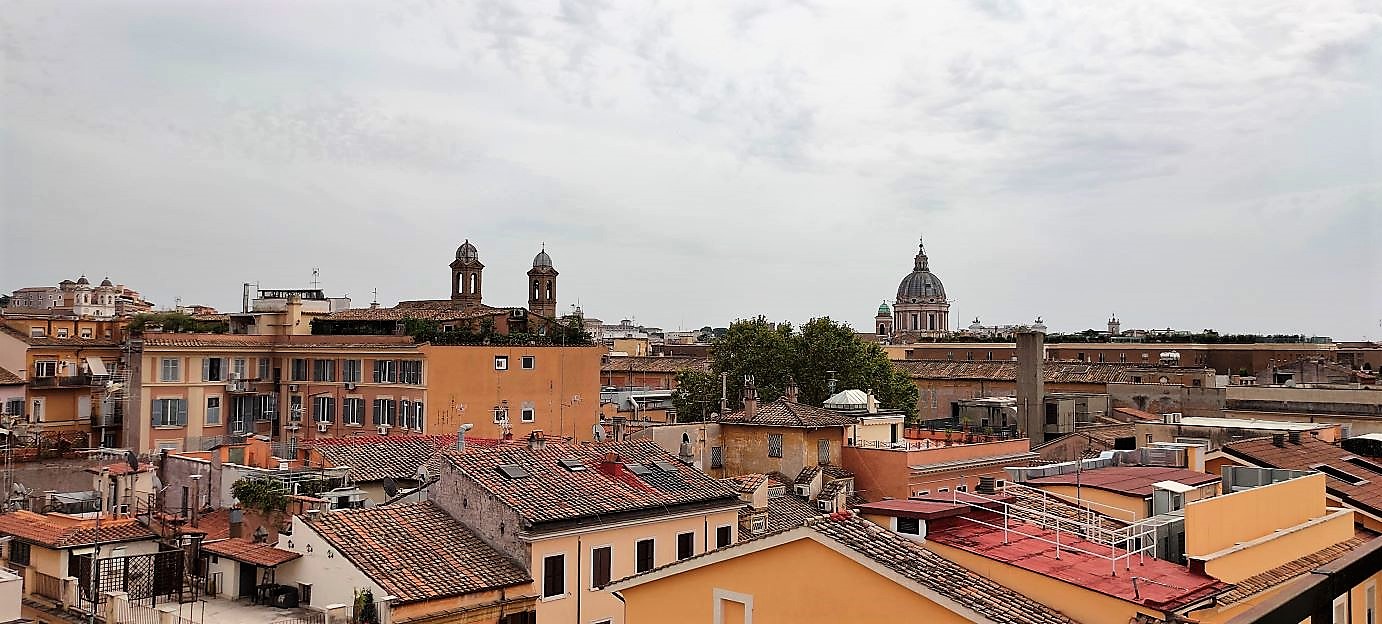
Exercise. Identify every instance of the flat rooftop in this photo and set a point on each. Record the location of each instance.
(1129, 480)
(910, 508)
(1252, 423)
(1160, 584)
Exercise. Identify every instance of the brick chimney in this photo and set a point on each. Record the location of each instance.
(791, 390)
(750, 397)
(237, 523)
(536, 440)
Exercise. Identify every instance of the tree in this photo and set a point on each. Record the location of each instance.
(263, 495)
(776, 353)
(696, 396)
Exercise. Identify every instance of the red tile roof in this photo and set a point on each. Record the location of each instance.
(1053, 372)
(1164, 585)
(417, 552)
(1311, 453)
(552, 493)
(426, 309)
(373, 458)
(1129, 480)
(247, 551)
(1285, 572)
(784, 413)
(121, 468)
(9, 379)
(279, 342)
(59, 531)
(52, 341)
(654, 364)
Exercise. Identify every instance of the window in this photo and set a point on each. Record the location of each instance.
(1137, 379)
(501, 414)
(36, 332)
(350, 371)
(962, 488)
(1370, 606)
(213, 369)
(170, 412)
(46, 368)
(86, 332)
(1149, 438)
(600, 561)
(405, 414)
(213, 410)
(529, 362)
(238, 368)
(908, 526)
(522, 617)
(384, 412)
(643, 558)
(37, 414)
(528, 413)
(922, 493)
(419, 416)
(717, 457)
(759, 523)
(353, 411)
(62, 332)
(323, 370)
(19, 552)
(14, 407)
(268, 407)
(295, 407)
(553, 576)
(723, 536)
(264, 368)
(686, 545)
(1341, 610)
(410, 372)
(324, 409)
(822, 451)
(298, 369)
(385, 371)
(501, 362)
(774, 445)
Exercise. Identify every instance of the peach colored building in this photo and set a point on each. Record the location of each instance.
(581, 516)
(927, 467)
(67, 398)
(187, 388)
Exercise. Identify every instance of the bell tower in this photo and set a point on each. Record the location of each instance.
(542, 285)
(467, 275)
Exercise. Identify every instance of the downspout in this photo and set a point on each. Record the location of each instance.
(580, 587)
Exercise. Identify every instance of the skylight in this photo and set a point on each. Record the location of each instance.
(1366, 464)
(572, 464)
(1346, 477)
(638, 469)
(665, 466)
(512, 471)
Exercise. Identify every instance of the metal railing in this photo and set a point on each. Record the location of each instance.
(73, 381)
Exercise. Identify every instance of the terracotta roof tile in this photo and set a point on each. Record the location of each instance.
(53, 341)
(373, 458)
(1311, 453)
(1283, 573)
(807, 475)
(58, 531)
(552, 493)
(786, 512)
(417, 552)
(247, 551)
(1054, 372)
(746, 483)
(276, 342)
(426, 309)
(1130, 480)
(654, 364)
(784, 413)
(9, 379)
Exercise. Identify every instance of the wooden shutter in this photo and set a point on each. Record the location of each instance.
(602, 566)
(182, 411)
(206, 368)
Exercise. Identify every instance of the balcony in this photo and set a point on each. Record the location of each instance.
(67, 381)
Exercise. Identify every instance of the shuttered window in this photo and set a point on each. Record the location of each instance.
(774, 445)
(643, 559)
(686, 545)
(600, 561)
(553, 575)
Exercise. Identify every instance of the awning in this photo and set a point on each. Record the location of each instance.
(98, 367)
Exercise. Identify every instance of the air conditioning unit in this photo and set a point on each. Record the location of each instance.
(518, 313)
(350, 385)
(382, 429)
(292, 387)
(234, 376)
(321, 427)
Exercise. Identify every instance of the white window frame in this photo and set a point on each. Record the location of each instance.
(169, 365)
(353, 418)
(501, 362)
(239, 368)
(612, 577)
(717, 535)
(721, 596)
(501, 414)
(37, 332)
(86, 333)
(207, 418)
(1340, 604)
(528, 414)
(920, 535)
(50, 367)
(564, 581)
(528, 362)
(62, 332)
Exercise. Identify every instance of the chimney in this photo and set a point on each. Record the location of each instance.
(750, 398)
(1294, 436)
(536, 441)
(987, 486)
(460, 437)
(1031, 392)
(1278, 439)
(871, 403)
(791, 390)
(237, 523)
(618, 435)
(196, 498)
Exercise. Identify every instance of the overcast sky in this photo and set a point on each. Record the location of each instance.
(1184, 164)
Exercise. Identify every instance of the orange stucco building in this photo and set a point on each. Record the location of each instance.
(67, 396)
(922, 468)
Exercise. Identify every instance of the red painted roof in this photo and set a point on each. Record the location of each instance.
(913, 509)
(1161, 584)
(1130, 480)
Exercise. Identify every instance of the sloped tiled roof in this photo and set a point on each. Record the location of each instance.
(1311, 453)
(552, 493)
(372, 458)
(654, 364)
(417, 552)
(247, 551)
(1283, 573)
(746, 483)
(1108, 434)
(9, 379)
(833, 488)
(1053, 371)
(784, 413)
(57, 531)
(807, 475)
(276, 342)
(1129, 480)
(837, 472)
(427, 310)
(785, 512)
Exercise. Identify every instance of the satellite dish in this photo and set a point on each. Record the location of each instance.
(390, 487)
(598, 432)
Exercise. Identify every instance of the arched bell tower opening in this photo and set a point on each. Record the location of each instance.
(467, 275)
(542, 285)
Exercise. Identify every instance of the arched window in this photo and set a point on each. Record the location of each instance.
(685, 438)
(549, 289)
(474, 283)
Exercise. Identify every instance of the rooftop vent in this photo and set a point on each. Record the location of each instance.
(572, 464)
(512, 471)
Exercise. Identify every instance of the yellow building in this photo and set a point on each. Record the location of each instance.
(68, 398)
(837, 568)
(579, 516)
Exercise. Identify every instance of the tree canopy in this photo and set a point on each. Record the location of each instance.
(776, 353)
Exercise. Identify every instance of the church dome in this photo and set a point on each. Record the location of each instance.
(921, 287)
(106, 283)
(467, 251)
(884, 310)
(82, 281)
(542, 259)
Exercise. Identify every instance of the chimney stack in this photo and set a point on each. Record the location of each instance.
(237, 523)
(196, 496)
(536, 440)
(460, 437)
(1278, 439)
(791, 390)
(1294, 436)
(750, 398)
(871, 402)
(1031, 392)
